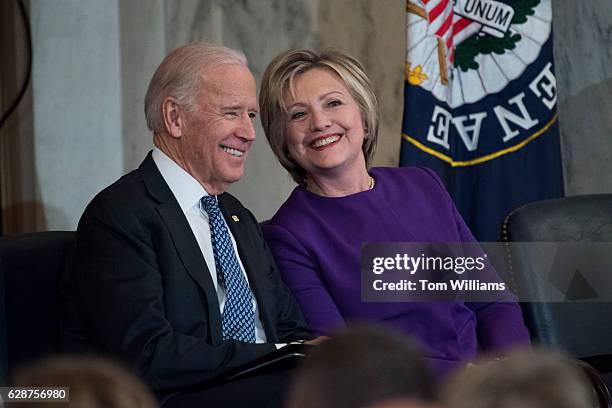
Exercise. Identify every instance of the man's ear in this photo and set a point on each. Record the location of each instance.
(175, 123)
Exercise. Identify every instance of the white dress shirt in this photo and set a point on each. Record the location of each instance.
(188, 192)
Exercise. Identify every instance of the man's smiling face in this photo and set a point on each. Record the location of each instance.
(219, 129)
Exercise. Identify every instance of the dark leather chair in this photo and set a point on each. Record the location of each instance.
(30, 269)
(581, 329)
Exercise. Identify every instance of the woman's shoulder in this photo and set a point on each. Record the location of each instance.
(289, 211)
(293, 225)
(407, 172)
(414, 177)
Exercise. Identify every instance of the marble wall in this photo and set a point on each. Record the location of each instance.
(143, 46)
(93, 61)
(583, 57)
(76, 88)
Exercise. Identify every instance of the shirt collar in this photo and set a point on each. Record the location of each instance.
(186, 189)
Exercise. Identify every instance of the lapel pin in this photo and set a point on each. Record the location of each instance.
(235, 218)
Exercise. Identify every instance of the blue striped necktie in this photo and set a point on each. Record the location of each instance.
(238, 320)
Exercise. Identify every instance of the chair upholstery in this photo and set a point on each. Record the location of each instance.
(31, 266)
(581, 329)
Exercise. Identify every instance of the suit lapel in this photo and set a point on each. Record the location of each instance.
(183, 238)
(250, 255)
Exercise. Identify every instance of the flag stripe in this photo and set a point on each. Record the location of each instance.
(445, 26)
(438, 9)
(460, 24)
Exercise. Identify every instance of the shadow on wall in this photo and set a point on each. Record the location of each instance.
(31, 216)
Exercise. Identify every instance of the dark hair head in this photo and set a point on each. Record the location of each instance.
(360, 367)
(527, 379)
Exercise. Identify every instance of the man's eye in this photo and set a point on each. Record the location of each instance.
(252, 115)
(232, 113)
(297, 115)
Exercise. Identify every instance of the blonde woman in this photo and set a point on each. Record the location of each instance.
(321, 116)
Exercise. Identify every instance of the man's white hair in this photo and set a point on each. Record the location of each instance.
(180, 76)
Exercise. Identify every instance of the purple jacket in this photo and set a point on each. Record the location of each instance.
(316, 242)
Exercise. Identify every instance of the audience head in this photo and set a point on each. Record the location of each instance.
(363, 367)
(528, 379)
(200, 106)
(92, 382)
(279, 84)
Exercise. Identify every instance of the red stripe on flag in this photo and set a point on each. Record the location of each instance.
(436, 11)
(460, 25)
(445, 26)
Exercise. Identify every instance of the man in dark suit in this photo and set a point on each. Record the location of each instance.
(170, 273)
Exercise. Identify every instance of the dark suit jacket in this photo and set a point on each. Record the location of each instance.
(139, 288)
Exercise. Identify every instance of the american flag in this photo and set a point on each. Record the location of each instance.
(448, 26)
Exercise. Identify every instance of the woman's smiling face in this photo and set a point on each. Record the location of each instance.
(324, 127)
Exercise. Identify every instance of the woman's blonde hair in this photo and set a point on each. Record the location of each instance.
(280, 77)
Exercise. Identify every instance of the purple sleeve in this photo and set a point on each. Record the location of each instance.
(500, 324)
(300, 273)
